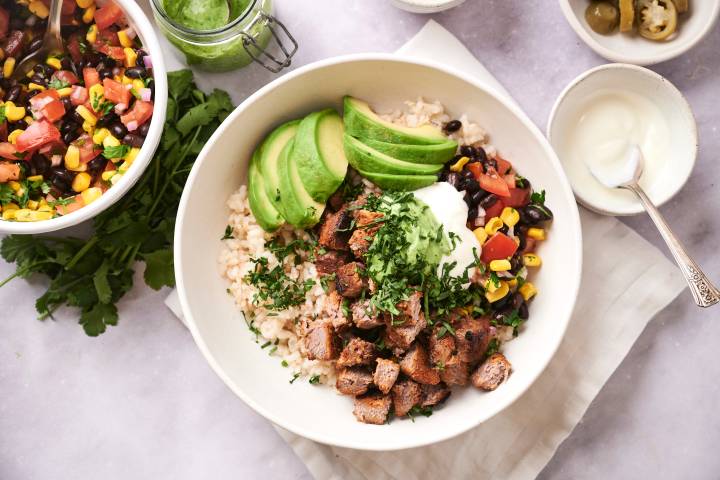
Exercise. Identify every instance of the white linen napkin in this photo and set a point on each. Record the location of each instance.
(625, 282)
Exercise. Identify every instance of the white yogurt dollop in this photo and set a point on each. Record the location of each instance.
(450, 210)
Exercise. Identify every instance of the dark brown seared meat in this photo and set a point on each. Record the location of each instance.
(357, 352)
(405, 394)
(386, 373)
(373, 408)
(434, 394)
(334, 230)
(320, 343)
(353, 381)
(327, 263)
(364, 316)
(455, 372)
(492, 372)
(472, 338)
(445, 357)
(335, 202)
(367, 225)
(403, 328)
(334, 312)
(416, 365)
(348, 281)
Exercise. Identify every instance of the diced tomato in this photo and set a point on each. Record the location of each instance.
(9, 171)
(53, 111)
(494, 183)
(68, 7)
(79, 95)
(66, 76)
(88, 150)
(8, 151)
(116, 92)
(494, 210)
(36, 135)
(503, 166)
(108, 37)
(91, 76)
(76, 204)
(108, 15)
(519, 197)
(509, 180)
(73, 46)
(3, 131)
(498, 247)
(43, 98)
(117, 53)
(56, 147)
(476, 168)
(4, 22)
(140, 113)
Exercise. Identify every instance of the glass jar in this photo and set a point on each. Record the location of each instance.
(246, 38)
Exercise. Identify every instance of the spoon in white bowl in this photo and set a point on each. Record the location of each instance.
(625, 173)
(52, 42)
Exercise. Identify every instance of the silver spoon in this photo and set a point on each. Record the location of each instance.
(626, 173)
(52, 42)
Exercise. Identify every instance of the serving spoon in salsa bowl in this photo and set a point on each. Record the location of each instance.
(52, 43)
(625, 173)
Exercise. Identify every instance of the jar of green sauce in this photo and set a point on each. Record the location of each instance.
(222, 35)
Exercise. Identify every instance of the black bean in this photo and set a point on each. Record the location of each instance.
(105, 73)
(521, 233)
(472, 213)
(535, 214)
(466, 199)
(109, 62)
(40, 164)
(133, 140)
(30, 95)
(442, 176)
(39, 79)
(144, 129)
(76, 117)
(79, 65)
(61, 179)
(20, 124)
(489, 162)
(135, 72)
(453, 179)
(97, 164)
(13, 94)
(39, 68)
(523, 311)
(7, 83)
(70, 136)
(468, 151)
(500, 304)
(453, 126)
(66, 63)
(91, 59)
(488, 201)
(118, 130)
(481, 155)
(107, 120)
(467, 174)
(470, 185)
(68, 125)
(67, 103)
(477, 197)
(516, 264)
(517, 300)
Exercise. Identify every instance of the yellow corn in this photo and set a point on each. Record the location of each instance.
(528, 291)
(28, 119)
(8, 67)
(493, 225)
(500, 265)
(38, 8)
(15, 186)
(89, 14)
(14, 113)
(88, 127)
(35, 178)
(54, 62)
(11, 206)
(12, 138)
(132, 154)
(124, 167)
(138, 85)
(480, 234)
(125, 80)
(458, 166)
(536, 233)
(130, 57)
(100, 135)
(531, 260)
(512, 283)
(510, 216)
(8, 214)
(84, 3)
(72, 157)
(125, 41)
(92, 33)
(34, 86)
(32, 204)
(86, 114)
(27, 215)
(498, 293)
(91, 194)
(110, 141)
(80, 168)
(108, 175)
(96, 93)
(65, 92)
(46, 208)
(81, 182)
(116, 178)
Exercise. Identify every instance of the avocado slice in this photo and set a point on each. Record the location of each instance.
(362, 157)
(361, 121)
(427, 154)
(318, 152)
(267, 216)
(270, 150)
(388, 181)
(299, 209)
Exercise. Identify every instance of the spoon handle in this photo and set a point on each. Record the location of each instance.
(702, 289)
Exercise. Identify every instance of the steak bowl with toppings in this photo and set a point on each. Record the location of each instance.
(364, 235)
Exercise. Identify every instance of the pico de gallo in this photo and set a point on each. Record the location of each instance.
(73, 126)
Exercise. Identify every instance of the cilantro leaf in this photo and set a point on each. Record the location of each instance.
(102, 286)
(159, 269)
(57, 84)
(3, 118)
(116, 152)
(96, 319)
(538, 198)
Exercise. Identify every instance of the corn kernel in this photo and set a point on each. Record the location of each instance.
(72, 157)
(91, 194)
(81, 182)
(86, 114)
(54, 62)
(38, 8)
(88, 127)
(92, 34)
(116, 178)
(96, 93)
(89, 14)
(124, 167)
(28, 119)
(510, 216)
(130, 57)
(8, 67)
(458, 166)
(132, 154)
(108, 175)
(8, 214)
(498, 293)
(64, 92)
(15, 185)
(46, 208)
(125, 41)
(125, 80)
(27, 215)
(85, 3)
(14, 113)
(100, 135)
(138, 85)
(528, 291)
(531, 260)
(32, 204)
(35, 178)
(512, 283)
(500, 265)
(34, 86)
(11, 206)
(110, 141)
(80, 168)
(480, 234)
(493, 225)
(12, 138)
(536, 233)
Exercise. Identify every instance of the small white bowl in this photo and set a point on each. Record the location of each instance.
(632, 48)
(137, 19)
(426, 6)
(664, 95)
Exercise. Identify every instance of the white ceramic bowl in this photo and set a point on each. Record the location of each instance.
(143, 27)
(426, 6)
(664, 95)
(632, 48)
(317, 412)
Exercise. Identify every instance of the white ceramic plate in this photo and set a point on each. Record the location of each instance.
(317, 412)
(632, 48)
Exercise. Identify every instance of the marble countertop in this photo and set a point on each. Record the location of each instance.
(124, 405)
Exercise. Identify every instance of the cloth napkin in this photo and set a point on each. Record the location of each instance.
(625, 282)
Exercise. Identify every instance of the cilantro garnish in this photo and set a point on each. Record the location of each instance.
(57, 84)
(2, 114)
(418, 410)
(284, 363)
(314, 380)
(295, 377)
(228, 233)
(116, 151)
(7, 194)
(493, 347)
(538, 198)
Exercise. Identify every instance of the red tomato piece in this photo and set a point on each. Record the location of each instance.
(8, 151)
(76, 204)
(498, 247)
(108, 15)
(108, 37)
(79, 95)
(509, 180)
(90, 76)
(494, 183)
(88, 150)
(476, 169)
(519, 197)
(140, 113)
(116, 92)
(36, 135)
(53, 111)
(4, 22)
(494, 210)
(503, 166)
(73, 46)
(117, 53)
(43, 98)
(66, 76)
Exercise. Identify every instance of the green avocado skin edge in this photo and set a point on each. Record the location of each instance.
(438, 154)
(388, 181)
(265, 213)
(301, 210)
(270, 150)
(365, 158)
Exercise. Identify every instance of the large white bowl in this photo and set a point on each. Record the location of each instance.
(632, 48)
(316, 412)
(137, 19)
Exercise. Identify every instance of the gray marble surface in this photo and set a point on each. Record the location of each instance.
(125, 405)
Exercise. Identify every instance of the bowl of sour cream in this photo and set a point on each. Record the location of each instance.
(604, 111)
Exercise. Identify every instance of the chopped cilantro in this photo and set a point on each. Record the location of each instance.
(228, 233)
(418, 410)
(493, 347)
(57, 84)
(284, 363)
(116, 152)
(2, 114)
(538, 198)
(314, 380)
(295, 377)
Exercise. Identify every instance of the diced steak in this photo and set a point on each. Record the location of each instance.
(327, 263)
(367, 224)
(445, 357)
(403, 328)
(353, 381)
(364, 316)
(455, 371)
(434, 394)
(348, 281)
(334, 230)
(373, 408)
(357, 352)
(386, 373)
(405, 394)
(472, 337)
(320, 343)
(492, 372)
(416, 365)
(334, 312)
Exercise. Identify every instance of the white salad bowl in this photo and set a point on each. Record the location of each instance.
(631, 47)
(139, 21)
(317, 412)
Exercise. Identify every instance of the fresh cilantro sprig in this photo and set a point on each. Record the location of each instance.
(57, 84)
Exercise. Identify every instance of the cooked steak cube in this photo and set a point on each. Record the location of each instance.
(320, 342)
(386, 372)
(335, 312)
(336, 201)
(442, 348)
(434, 394)
(405, 394)
(348, 281)
(416, 365)
(367, 224)
(492, 372)
(364, 316)
(327, 263)
(403, 328)
(357, 352)
(353, 381)
(472, 338)
(373, 408)
(334, 230)
(455, 371)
